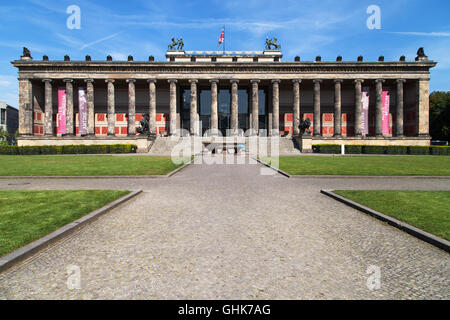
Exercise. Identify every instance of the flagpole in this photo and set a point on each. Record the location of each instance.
(224, 39)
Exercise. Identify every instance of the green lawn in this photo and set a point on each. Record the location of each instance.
(426, 210)
(367, 165)
(85, 165)
(29, 215)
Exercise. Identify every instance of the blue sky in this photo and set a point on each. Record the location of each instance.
(144, 27)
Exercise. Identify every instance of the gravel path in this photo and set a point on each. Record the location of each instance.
(227, 232)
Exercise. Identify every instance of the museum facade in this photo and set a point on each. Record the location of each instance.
(210, 93)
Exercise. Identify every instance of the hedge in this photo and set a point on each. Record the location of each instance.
(398, 150)
(68, 149)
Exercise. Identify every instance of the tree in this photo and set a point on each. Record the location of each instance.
(440, 115)
(5, 138)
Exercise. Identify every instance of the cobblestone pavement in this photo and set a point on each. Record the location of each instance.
(227, 232)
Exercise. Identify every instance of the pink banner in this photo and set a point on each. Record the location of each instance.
(385, 111)
(82, 115)
(61, 120)
(365, 99)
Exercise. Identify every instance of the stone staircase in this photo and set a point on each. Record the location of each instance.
(163, 146)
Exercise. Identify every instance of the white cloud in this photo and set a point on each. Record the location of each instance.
(424, 34)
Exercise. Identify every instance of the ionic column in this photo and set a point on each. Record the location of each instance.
(111, 107)
(131, 107)
(255, 115)
(193, 115)
(317, 129)
(399, 110)
(214, 112)
(379, 108)
(296, 107)
(25, 107)
(275, 107)
(69, 106)
(48, 121)
(337, 108)
(90, 106)
(358, 107)
(423, 106)
(173, 106)
(234, 106)
(152, 106)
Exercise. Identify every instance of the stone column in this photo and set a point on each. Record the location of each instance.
(214, 111)
(379, 108)
(399, 110)
(337, 108)
(152, 106)
(173, 106)
(317, 120)
(234, 107)
(423, 107)
(131, 107)
(90, 106)
(296, 107)
(193, 116)
(358, 107)
(25, 107)
(111, 107)
(48, 121)
(276, 107)
(69, 107)
(255, 104)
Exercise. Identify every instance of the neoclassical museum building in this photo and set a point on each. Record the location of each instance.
(244, 92)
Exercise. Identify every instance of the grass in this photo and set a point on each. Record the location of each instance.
(426, 210)
(107, 165)
(26, 216)
(367, 165)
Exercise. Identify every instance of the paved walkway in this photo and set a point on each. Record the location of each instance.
(227, 232)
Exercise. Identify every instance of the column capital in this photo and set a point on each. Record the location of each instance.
(68, 80)
(131, 80)
(338, 80)
(255, 81)
(276, 81)
(234, 81)
(297, 80)
(191, 81)
(358, 81)
(380, 81)
(151, 80)
(214, 80)
(172, 80)
(400, 80)
(47, 80)
(89, 80)
(110, 80)
(317, 81)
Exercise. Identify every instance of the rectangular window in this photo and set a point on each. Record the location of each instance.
(3, 117)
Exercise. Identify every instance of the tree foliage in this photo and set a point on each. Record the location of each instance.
(440, 115)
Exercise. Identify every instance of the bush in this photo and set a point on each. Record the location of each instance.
(328, 148)
(49, 150)
(419, 150)
(440, 151)
(353, 149)
(396, 150)
(68, 149)
(10, 150)
(374, 149)
(30, 150)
